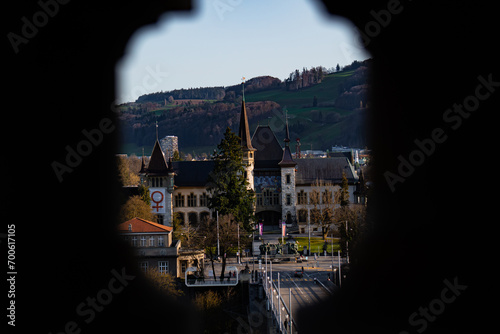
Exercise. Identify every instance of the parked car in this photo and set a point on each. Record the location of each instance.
(298, 273)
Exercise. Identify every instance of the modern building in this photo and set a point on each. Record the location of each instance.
(169, 145)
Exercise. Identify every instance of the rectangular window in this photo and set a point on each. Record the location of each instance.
(276, 199)
(204, 199)
(161, 242)
(163, 267)
(179, 200)
(327, 197)
(191, 200)
(259, 199)
(288, 199)
(288, 178)
(134, 241)
(302, 197)
(303, 216)
(143, 241)
(144, 266)
(151, 241)
(183, 266)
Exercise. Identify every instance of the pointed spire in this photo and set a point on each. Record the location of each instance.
(244, 133)
(287, 160)
(157, 162)
(143, 163)
(287, 133)
(243, 87)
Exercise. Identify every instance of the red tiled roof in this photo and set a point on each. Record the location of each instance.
(143, 226)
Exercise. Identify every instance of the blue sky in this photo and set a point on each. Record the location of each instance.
(224, 40)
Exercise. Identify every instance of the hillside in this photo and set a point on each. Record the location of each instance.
(328, 111)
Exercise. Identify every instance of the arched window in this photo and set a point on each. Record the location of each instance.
(204, 216)
(193, 218)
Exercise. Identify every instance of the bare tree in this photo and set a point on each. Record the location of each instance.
(321, 198)
(227, 237)
(350, 222)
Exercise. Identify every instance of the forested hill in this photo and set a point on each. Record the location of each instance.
(325, 108)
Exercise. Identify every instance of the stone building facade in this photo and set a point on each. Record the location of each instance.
(282, 184)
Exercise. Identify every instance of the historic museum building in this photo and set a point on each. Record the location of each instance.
(281, 183)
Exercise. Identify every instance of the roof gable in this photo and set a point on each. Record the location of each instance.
(268, 147)
(139, 225)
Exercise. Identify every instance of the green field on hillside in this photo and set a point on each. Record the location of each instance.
(326, 91)
(320, 132)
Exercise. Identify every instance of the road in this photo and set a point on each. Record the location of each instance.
(304, 290)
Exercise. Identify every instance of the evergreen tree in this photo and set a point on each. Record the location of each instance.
(227, 184)
(344, 191)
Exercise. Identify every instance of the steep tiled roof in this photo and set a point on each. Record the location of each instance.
(140, 225)
(157, 163)
(192, 173)
(328, 169)
(287, 160)
(244, 133)
(268, 147)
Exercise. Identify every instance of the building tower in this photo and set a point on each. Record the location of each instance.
(246, 142)
(159, 177)
(287, 166)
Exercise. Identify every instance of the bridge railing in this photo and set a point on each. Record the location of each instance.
(281, 312)
(193, 278)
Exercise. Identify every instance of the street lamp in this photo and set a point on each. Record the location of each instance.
(309, 236)
(218, 246)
